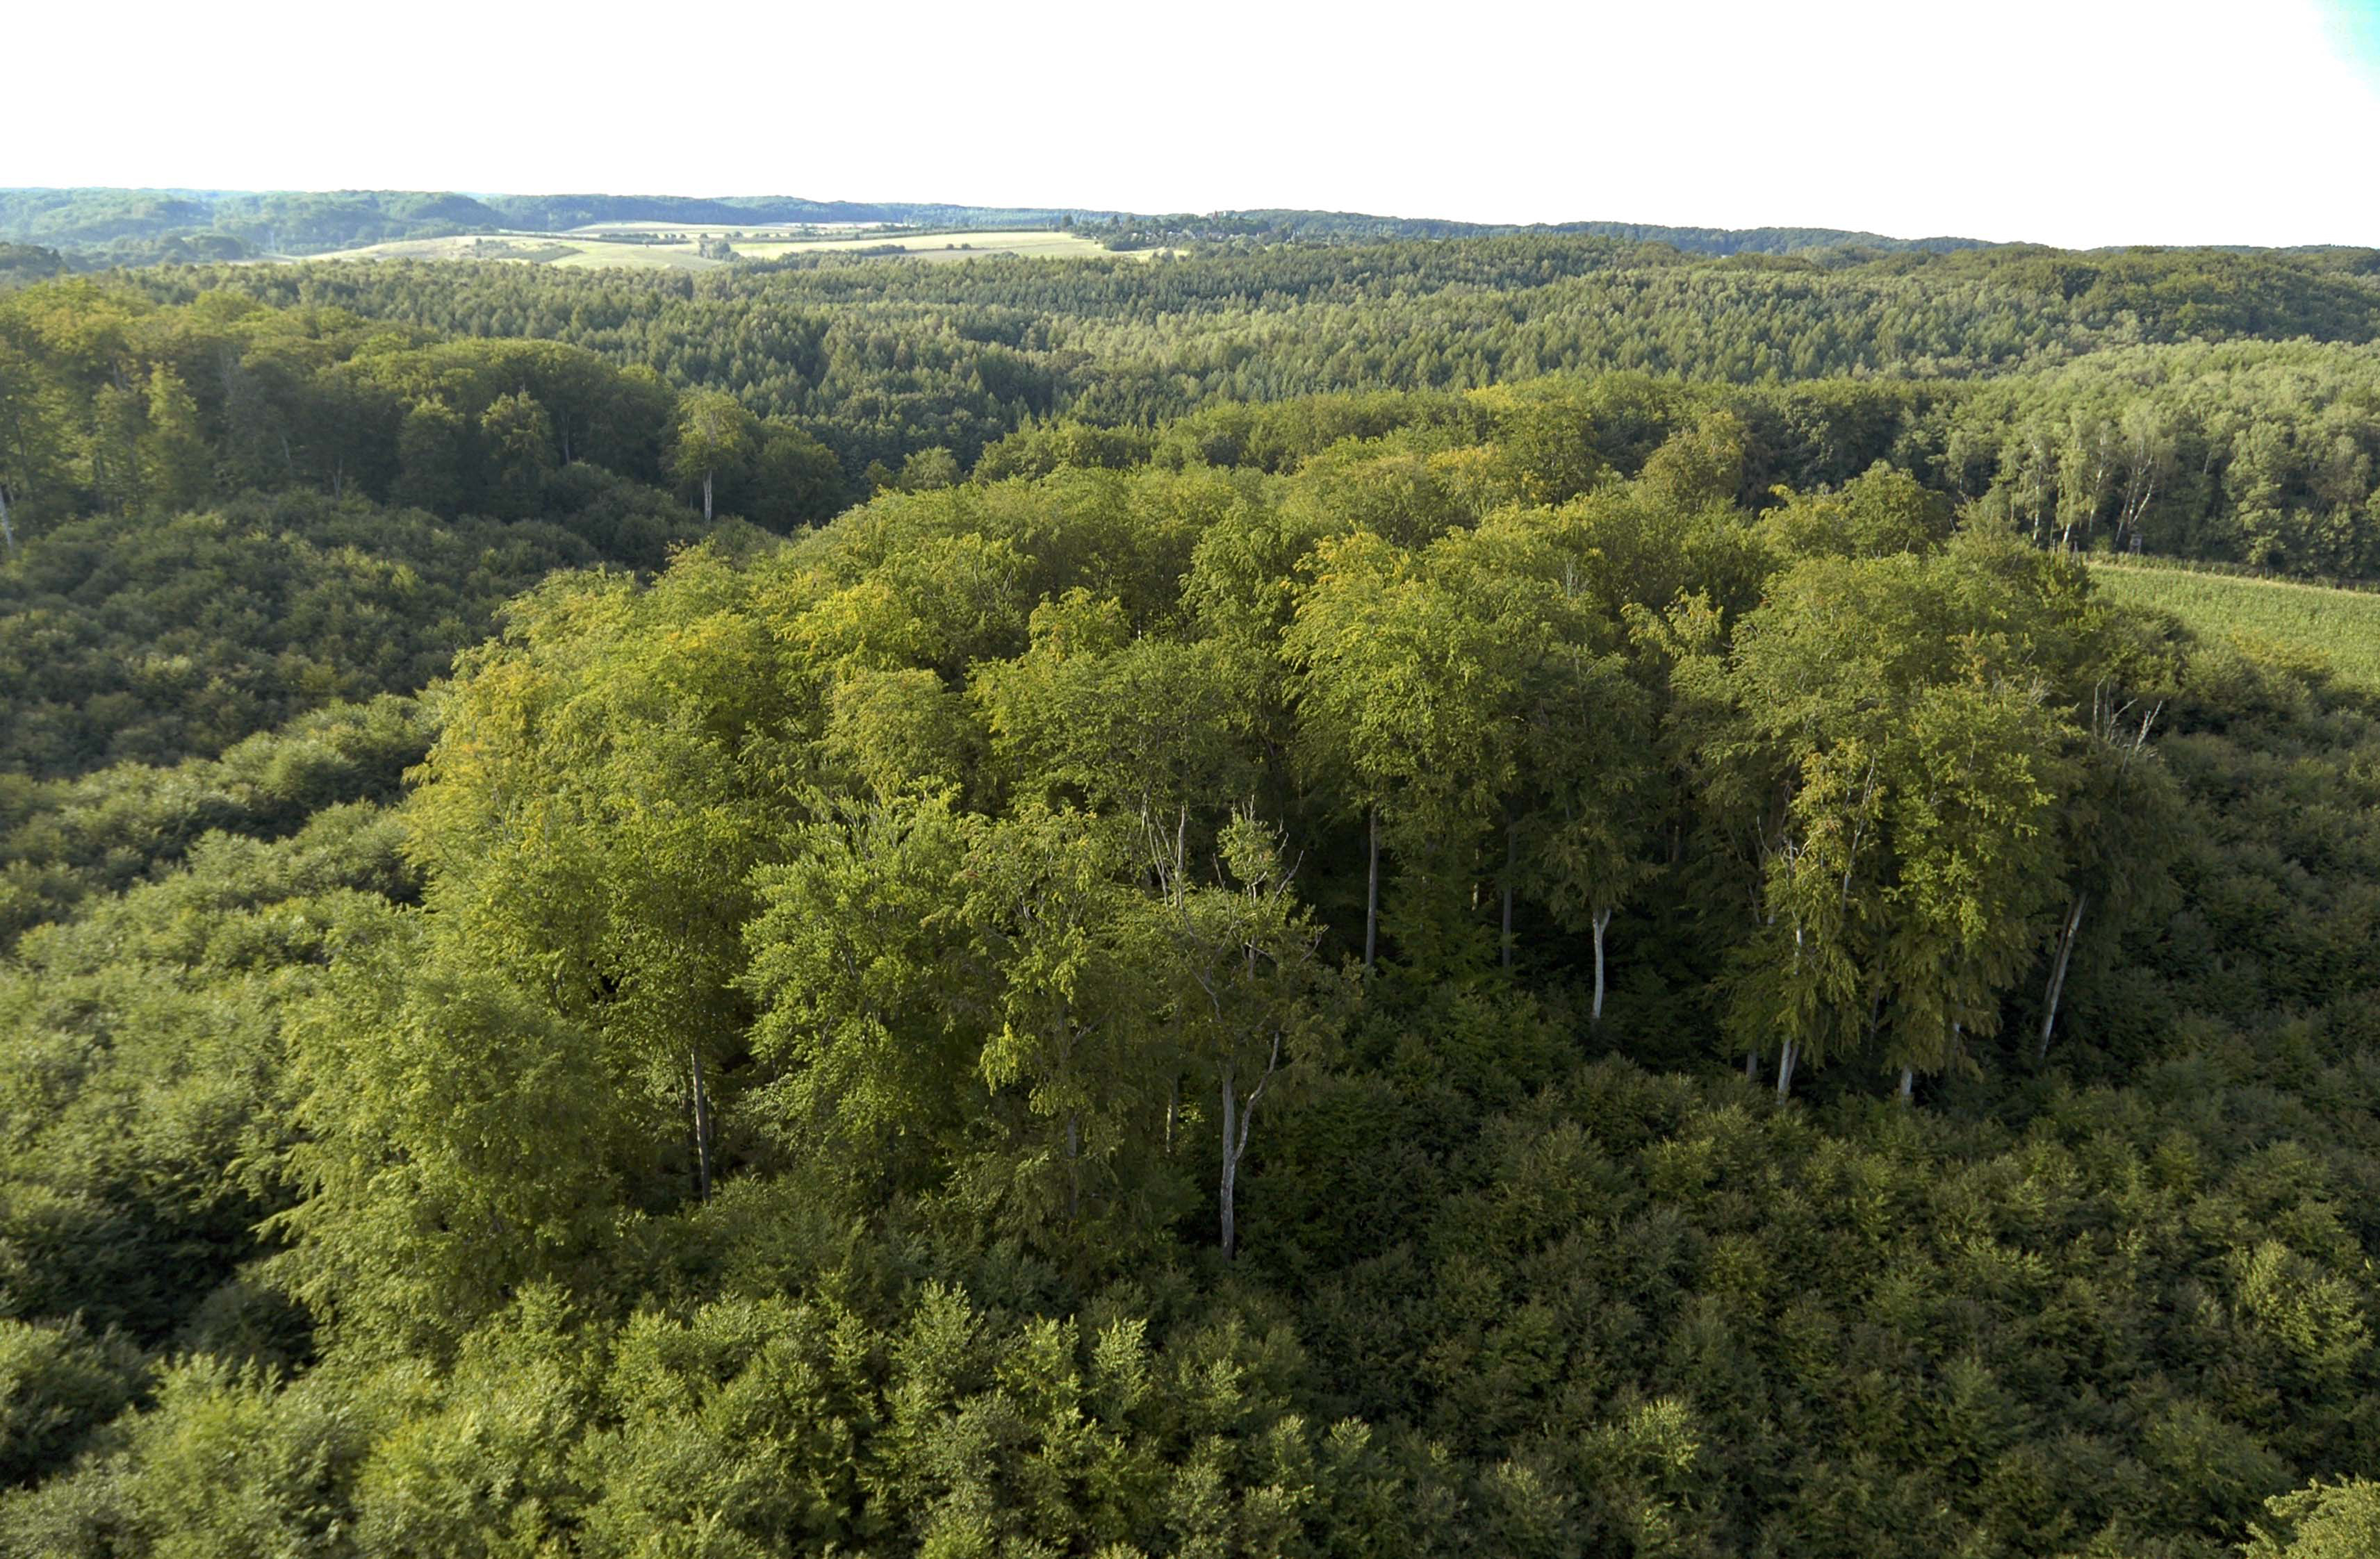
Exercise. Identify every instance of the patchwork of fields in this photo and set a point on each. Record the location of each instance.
(655, 246)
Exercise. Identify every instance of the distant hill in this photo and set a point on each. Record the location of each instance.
(138, 225)
(1358, 227)
(135, 226)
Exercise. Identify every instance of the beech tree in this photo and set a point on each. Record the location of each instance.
(1144, 729)
(1973, 774)
(1898, 708)
(1590, 771)
(2117, 834)
(866, 1016)
(1051, 917)
(518, 437)
(175, 461)
(1257, 1003)
(713, 433)
(1406, 709)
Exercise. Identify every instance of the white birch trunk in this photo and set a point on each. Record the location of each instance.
(701, 1127)
(1602, 919)
(2058, 974)
(1074, 1166)
(1231, 1161)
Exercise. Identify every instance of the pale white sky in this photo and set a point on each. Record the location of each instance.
(2077, 122)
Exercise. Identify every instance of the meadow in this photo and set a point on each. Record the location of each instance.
(2310, 626)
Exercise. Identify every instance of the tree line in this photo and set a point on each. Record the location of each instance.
(2255, 453)
(2208, 404)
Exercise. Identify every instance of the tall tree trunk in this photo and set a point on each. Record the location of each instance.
(1785, 1068)
(1908, 1085)
(702, 1125)
(1751, 1065)
(1602, 919)
(1372, 893)
(7, 531)
(1172, 1111)
(1511, 853)
(706, 498)
(1238, 1116)
(1074, 1166)
(1231, 1160)
(2058, 976)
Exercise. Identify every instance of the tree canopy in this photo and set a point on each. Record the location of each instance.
(1602, 965)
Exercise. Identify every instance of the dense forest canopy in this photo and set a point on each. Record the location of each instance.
(1516, 894)
(2200, 403)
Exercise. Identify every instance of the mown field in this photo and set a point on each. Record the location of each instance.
(2338, 631)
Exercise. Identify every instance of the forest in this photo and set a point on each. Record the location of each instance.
(1522, 894)
(2207, 404)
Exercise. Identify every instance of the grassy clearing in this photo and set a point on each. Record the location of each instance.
(589, 254)
(2339, 629)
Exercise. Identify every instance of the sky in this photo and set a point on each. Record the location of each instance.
(2072, 121)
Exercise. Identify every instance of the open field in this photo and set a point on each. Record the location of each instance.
(714, 229)
(584, 248)
(2339, 629)
(1049, 244)
(534, 248)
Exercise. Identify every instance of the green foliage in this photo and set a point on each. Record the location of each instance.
(57, 1384)
(2320, 1522)
(860, 1043)
(2128, 394)
(143, 1102)
(131, 639)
